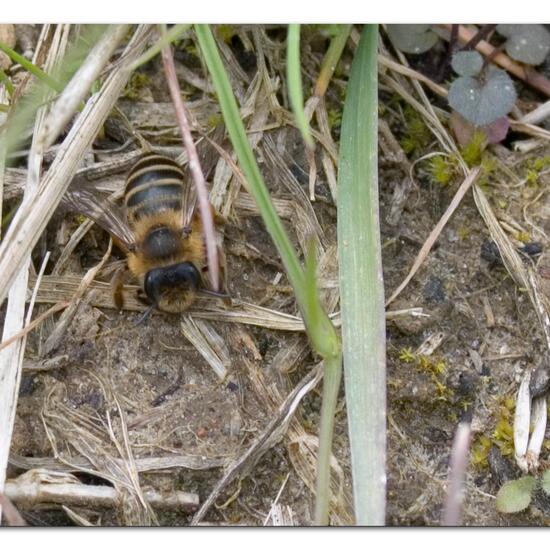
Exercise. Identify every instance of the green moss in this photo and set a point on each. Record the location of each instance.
(334, 118)
(472, 152)
(503, 434)
(534, 168)
(442, 169)
(541, 163)
(407, 356)
(488, 166)
(480, 451)
(427, 364)
(433, 367)
(523, 237)
(214, 120)
(417, 134)
(503, 437)
(226, 32)
(464, 232)
(137, 82)
(444, 393)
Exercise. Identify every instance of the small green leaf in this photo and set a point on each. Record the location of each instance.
(467, 63)
(514, 496)
(545, 482)
(526, 43)
(483, 102)
(412, 38)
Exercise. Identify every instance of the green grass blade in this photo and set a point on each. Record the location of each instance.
(4, 79)
(246, 158)
(294, 82)
(361, 284)
(321, 332)
(32, 68)
(167, 38)
(15, 131)
(330, 61)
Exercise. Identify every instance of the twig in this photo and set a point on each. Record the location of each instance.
(30, 327)
(29, 490)
(459, 462)
(12, 515)
(424, 251)
(537, 115)
(172, 35)
(194, 167)
(482, 34)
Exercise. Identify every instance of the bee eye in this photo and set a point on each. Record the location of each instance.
(161, 278)
(188, 273)
(153, 283)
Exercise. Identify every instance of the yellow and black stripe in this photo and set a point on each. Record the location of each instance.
(154, 184)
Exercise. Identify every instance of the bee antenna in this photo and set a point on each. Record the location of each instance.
(145, 315)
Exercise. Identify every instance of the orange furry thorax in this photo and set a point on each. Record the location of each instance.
(190, 243)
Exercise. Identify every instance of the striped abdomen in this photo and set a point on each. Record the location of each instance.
(155, 184)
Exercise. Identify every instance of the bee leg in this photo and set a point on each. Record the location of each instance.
(117, 284)
(142, 297)
(145, 315)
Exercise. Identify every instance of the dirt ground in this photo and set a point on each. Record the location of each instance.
(107, 395)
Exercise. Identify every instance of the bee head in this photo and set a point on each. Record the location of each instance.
(162, 282)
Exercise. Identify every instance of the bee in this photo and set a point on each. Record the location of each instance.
(160, 230)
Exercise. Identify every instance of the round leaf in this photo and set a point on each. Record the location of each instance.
(467, 63)
(483, 102)
(526, 43)
(514, 496)
(412, 38)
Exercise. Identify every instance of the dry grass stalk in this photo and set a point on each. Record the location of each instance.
(524, 276)
(104, 445)
(43, 487)
(537, 115)
(11, 358)
(81, 83)
(301, 451)
(194, 167)
(146, 464)
(54, 289)
(280, 516)
(276, 511)
(31, 326)
(341, 512)
(37, 208)
(208, 343)
(436, 231)
(66, 318)
(11, 514)
(459, 463)
(271, 435)
(32, 217)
